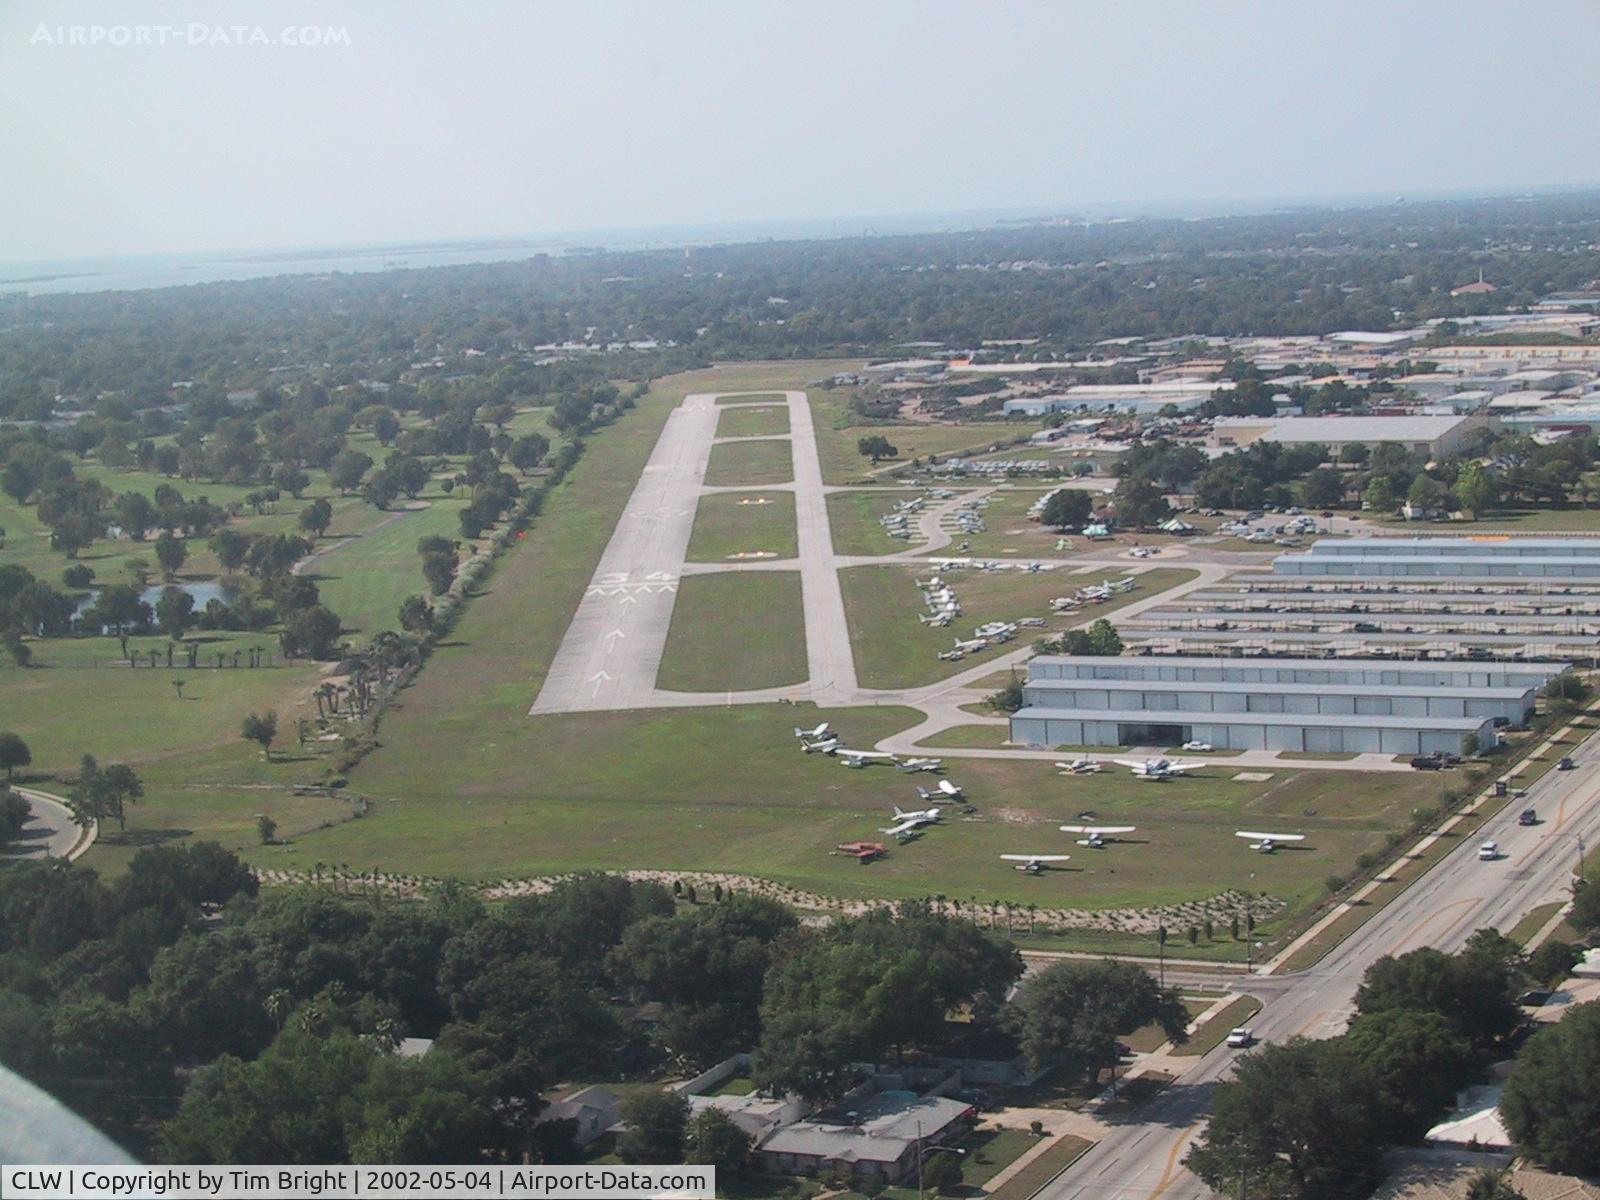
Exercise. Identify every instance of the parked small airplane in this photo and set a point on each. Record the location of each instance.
(1078, 766)
(1035, 864)
(913, 765)
(861, 758)
(1268, 842)
(814, 735)
(827, 746)
(952, 790)
(906, 822)
(1157, 768)
(1096, 836)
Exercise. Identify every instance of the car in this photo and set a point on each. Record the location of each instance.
(1527, 817)
(1426, 762)
(1241, 1038)
(1198, 747)
(1534, 998)
(1488, 852)
(1565, 764)
(1327, 514)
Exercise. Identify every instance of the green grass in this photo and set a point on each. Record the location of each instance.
(1518, 520)
(736, 631)
(990, 1151)
(728, 524)
(754, 421)
(1066, 1149)
(743, 397)
(1152, 1037)
(894, 649)
(1217, 1027)
(969, 737)
(839, 429)
(750, 463)
(1533, 921)
(853, 517)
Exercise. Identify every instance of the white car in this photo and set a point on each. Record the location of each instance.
(1488, 852)
(1241, 1038)
(1198, 747)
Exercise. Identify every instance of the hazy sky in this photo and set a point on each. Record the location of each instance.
(493, 117)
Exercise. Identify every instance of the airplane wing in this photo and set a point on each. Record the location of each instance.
(948, 788)
(1174, 768)
(1136, 763)
(1101, 830)
(1255, 835)
(902, 827)
(1036, 858)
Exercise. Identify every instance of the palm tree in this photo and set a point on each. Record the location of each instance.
(277, 1005)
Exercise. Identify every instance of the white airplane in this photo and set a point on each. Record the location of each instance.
(946, 789)
(1268, 842)
(824, 747)
(814, 735)
(861, 758)
(1096, 836)
(1078, 766)
(906, 822)
(1157, 768)
(1035, 864)
(913, 765)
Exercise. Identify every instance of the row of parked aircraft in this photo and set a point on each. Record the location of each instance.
(1097, 836)
(1155, 769)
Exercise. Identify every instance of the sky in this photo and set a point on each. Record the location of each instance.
(505, 118)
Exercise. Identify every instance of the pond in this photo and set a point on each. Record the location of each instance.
(203, 593)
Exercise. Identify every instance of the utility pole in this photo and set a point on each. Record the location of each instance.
(1161, 952)
(919, 1160)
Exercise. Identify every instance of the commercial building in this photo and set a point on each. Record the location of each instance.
(1139, 399)
(1365, 672)
(1332, 710)
(1428, 645)
(1433, 436)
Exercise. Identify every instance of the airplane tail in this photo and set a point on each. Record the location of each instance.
(924, 793)
(898, 815)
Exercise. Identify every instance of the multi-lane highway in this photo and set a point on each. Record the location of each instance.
(1142, 1158)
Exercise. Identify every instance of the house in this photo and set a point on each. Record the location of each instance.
(594, 1109)
(759, 1116)
(879, 1137)
(1480, 288)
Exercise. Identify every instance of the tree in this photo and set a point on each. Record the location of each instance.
(439, 569)
(347, 470)
(312, 631)
(1551, 1105)
(261, 729)
(1067, 508)
(1474, 489)
(171, 553)
(1492, 1185)
(14, 753)
(15, 813)
(941, 1173)
(1295, 1121)
(1426, 493)
(656, 1125)
(290, 478)
(1071, 1014)
(99, 793)
(78, 576)
(316, 517)
(528, 451)
(174, 612)
(416, 615)
(876, 447)
(1475, 992)
(1140, 503)
(1418, 1061)
(1381, 494)
(1104, 638)
(711, 1137)
(1323, 488)
(266, 829)
(231, 547)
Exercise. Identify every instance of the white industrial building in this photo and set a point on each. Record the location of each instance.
(1460, 557)
(1432, 436)
(1317, 706)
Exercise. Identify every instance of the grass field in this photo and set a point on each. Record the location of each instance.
(1515, 520)
(753, 421)
(969, 737)
(750, 463)
(894, 649)
(839, 429)
(1065, 1149)
(737, 631)
(727, 524)
(1009, 533)
(853, 517)
(742, 397)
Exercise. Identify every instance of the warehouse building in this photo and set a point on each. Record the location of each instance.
(1446, 558)
(1431, 436)
(1480, 648)
(1363, 672)
(1144, 709)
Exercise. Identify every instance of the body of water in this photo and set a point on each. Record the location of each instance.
(203, 594)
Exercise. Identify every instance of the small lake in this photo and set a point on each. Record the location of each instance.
(203, 594)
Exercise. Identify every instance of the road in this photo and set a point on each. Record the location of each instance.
(1142, 1157)
(51, 831)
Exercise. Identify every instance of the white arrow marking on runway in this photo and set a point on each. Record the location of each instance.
(612, 638)
(659, 575)
(597, 679)
(627, 598)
